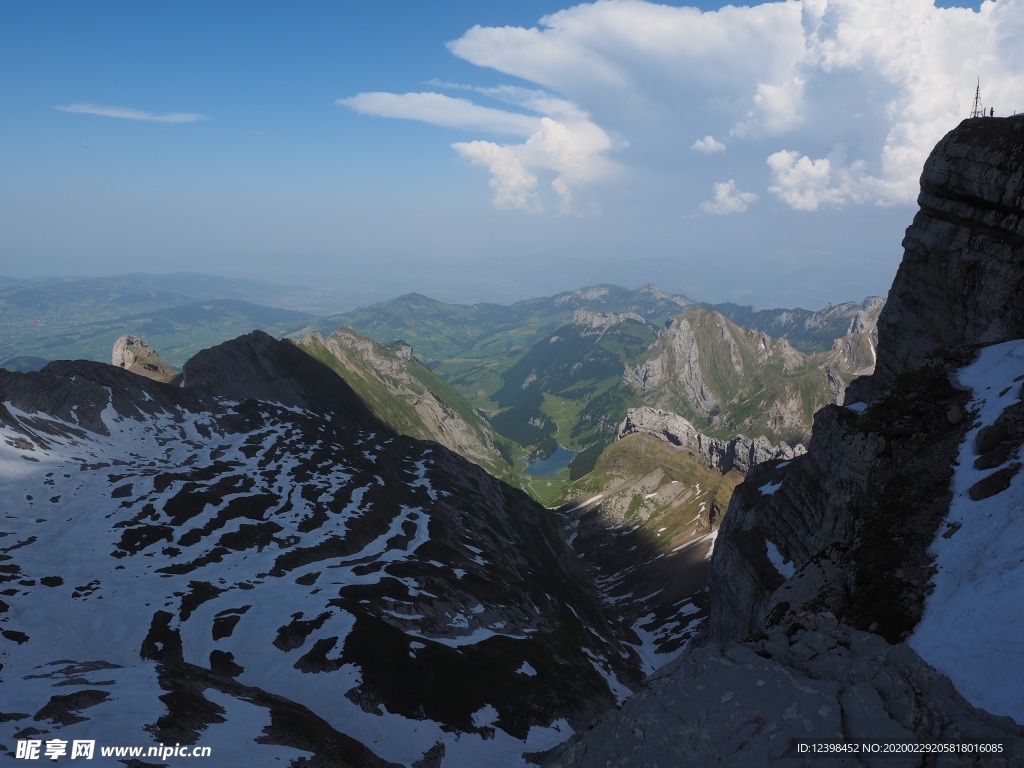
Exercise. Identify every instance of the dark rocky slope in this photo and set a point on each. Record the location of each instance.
(252, 560)
(824, 565)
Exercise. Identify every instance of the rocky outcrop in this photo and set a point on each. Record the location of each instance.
(602, 321)
(750, 704)
(741, 453)
(729, 379)
(857, 515)
(960, 281)
(809, 330)
(132, 353)
(677, 364)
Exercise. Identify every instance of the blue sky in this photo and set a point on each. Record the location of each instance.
(476, 151)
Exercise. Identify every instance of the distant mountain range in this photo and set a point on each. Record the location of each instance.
(500, 384)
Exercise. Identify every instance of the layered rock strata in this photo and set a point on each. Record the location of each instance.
(740, 453)
(960, 281)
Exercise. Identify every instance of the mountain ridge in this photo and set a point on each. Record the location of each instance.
(373, 564)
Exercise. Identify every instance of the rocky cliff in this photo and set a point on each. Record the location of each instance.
(132, 353)
(809, 331)
(729, 379)
(409, 397)
(960, 281)
(870, 589)
(740, 453)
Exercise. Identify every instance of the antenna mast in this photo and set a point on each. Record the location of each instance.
(977, 110)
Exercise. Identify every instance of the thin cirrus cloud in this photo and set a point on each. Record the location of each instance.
(823, 103)
(128, 113)
(442, 110)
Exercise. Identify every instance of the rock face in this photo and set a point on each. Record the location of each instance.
(825, 566)
(729, 379)
(132, 353)
(809, 330)
(748, 704)
(600, 321)
(960, 281)
(740, 453)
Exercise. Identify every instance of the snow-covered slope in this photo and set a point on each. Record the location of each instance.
(275, 580)
(973, 626)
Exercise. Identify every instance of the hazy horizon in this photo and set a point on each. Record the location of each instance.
(337, 298)
(766, 155)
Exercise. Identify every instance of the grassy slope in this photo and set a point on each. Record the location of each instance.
(391, 399)
(656, 486)
(371, 388)
(555, 381)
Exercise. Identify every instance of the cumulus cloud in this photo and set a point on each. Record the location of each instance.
(728, 199)
(514, 186)
(569, 153)
(127, 113)
(709, 145)
(843, 99)
(828, 182)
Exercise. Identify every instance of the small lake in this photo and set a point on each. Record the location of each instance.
(559, 459)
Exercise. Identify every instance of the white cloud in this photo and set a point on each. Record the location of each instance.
(843, 98)
(807, 185)
(438, 109)
(127, 113)
(533, 99)
(571, 153)
(709, 145)
(776, 110)
(561, 141)
(514, 186)
(728, 199)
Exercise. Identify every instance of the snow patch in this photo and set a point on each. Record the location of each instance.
(486, 715)
(785, 567)
(526, 669)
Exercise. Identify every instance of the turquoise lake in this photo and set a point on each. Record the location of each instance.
(559, 459)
